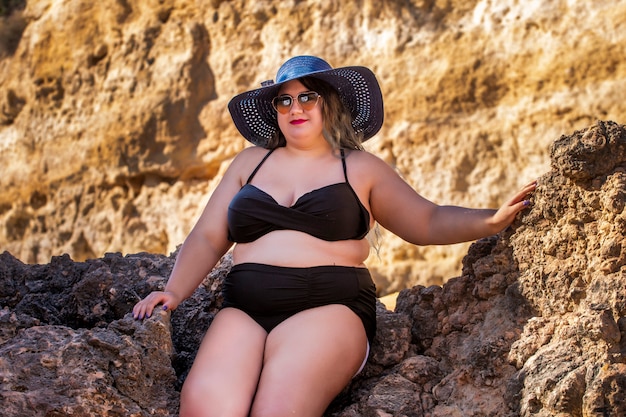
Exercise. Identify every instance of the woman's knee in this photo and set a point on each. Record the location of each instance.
(193, 398)
(204, 398)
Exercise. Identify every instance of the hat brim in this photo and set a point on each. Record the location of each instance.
(255, 118)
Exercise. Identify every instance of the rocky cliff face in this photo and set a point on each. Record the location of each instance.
(114, 129)
(534, 326)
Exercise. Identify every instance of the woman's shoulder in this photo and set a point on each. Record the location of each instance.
(250, 155)
(245, 161)
(367, 167)
(252, 152)
(363, 159)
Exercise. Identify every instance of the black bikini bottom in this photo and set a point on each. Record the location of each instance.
(271, 294)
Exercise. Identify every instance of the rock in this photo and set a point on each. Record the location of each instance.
(114, 128)
(122, 369)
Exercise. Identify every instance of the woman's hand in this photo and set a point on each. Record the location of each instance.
(507, 212)
(143, 309)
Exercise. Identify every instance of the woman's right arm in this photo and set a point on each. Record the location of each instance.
(204, 246)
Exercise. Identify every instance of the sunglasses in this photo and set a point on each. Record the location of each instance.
(307, 100)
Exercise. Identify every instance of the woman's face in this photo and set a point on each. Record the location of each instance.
(298, 123)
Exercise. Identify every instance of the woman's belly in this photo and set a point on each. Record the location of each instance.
(297, 249)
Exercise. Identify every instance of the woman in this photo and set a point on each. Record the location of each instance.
(299, 311)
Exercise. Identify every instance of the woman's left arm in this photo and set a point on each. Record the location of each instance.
(404, 212)
(453, 224)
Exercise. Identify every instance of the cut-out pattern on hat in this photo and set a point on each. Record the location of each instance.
(255, 118)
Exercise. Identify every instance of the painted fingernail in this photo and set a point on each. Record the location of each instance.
(526, 202)
(164, 307)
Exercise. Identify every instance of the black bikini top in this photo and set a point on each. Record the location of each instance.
(331, 213)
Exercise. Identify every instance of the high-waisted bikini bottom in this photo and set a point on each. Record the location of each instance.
(271, 294)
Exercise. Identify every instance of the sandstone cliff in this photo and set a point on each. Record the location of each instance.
(114, 129)
(534, 326)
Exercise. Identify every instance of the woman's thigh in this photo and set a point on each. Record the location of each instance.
(225, 372)
(309, 359)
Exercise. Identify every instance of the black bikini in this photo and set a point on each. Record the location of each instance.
(332, 213)
(271, 294)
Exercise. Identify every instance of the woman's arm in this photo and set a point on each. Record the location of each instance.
(401, 210)
(452, 224)
(206, 243)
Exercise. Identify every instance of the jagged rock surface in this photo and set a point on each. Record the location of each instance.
(534, 326)
(114, 129)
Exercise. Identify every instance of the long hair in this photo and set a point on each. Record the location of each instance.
(337, 119)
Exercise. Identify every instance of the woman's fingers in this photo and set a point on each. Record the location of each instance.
(523, 193)
(144, 308)
(506, 214)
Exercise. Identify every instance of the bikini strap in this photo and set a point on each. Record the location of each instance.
(343, 161)
(259, 165)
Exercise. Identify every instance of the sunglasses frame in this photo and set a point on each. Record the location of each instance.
(304, 105)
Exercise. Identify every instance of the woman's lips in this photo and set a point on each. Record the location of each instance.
(297, 121)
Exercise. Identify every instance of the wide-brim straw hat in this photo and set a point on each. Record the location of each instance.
(255, 118)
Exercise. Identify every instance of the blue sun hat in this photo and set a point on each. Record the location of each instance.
(255, 118)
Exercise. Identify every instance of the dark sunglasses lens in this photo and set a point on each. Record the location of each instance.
(282, 104)
(308, 100)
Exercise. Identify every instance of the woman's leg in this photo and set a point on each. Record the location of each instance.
(309, 359)
(225, 372)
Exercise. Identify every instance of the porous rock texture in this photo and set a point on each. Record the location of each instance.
(114, 128)
(534, 326)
